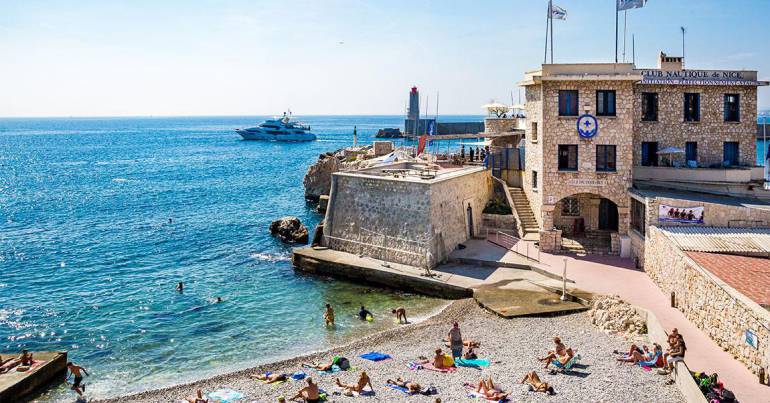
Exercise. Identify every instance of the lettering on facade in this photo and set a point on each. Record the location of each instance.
(587, 182)
(698, 77)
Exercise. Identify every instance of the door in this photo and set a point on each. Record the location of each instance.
(731, 153)
(470, 221)
(608, 215)
(650, 153)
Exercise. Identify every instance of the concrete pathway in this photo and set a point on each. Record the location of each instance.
(617, 276)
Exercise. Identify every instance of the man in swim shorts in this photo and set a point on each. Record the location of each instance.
(400, 313)
(309, 393)
(76, 384)
(363, 313)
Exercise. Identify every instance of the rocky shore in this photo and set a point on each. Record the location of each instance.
(318, 179)
(511, 345)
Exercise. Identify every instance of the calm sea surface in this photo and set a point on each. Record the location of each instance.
(100, 218)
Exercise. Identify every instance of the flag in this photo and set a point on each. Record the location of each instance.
(629, 4)
(558, 13)
(421, 144)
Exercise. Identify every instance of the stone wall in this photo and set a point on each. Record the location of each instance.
(716, 308)
(533, 155)
(401, 220)
(613, 130)
(500, 125)
(710, 132)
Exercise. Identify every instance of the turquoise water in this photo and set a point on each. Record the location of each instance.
(100, 218)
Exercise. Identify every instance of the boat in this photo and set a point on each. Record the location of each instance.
(278, 129)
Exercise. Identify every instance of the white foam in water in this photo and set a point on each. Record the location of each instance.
(267, 257)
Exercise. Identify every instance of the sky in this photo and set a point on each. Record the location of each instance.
(341, 57)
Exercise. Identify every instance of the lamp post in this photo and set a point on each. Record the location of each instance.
(564, 281)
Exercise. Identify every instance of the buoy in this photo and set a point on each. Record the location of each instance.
(369, 318)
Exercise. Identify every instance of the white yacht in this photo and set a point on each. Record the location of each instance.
(276, 129)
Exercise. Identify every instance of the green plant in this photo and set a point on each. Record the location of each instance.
(497, 206)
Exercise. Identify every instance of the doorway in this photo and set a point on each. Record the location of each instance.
(469, 211)
(608, 215)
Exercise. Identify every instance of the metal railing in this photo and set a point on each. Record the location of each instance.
(516, 245)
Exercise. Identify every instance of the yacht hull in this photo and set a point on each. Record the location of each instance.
(251, 135)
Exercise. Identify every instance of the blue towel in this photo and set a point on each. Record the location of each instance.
(399, 388)
(375, 356)
(298, 376)
(461, 362)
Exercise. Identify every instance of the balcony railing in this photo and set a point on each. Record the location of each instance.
(735, 175)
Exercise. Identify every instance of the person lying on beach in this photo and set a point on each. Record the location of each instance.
(490, 391)
(309, 393)
(76, 383)
(363, 313)
(470, 354)
(363, 380)
(635, 354)
(342, 362)
(536, 385)
(269, 378)
(467, 343)
(198, 398)
(329, 315)
(412, 387)
(400, 313)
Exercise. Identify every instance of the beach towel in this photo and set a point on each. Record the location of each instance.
(475, 363)
(298, 376)
(651, 363)
(414, 366)
(225, 395)
(399, 388)
(375, 356)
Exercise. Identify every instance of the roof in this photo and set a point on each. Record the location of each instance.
(746, 241)
(653, 192)
(749, 275)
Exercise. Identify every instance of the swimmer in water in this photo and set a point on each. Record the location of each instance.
(363, 313)
(180, 287)
(329, 315)
(219, 299)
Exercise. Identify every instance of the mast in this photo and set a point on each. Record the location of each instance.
(550, 16)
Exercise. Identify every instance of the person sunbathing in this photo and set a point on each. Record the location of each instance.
(309, 393)
(340, 362)
(270, 378)
(198, 398)
(23, 360)
(560, 353)
(438, 359)
(655, 359)
(412, 387)
(634, 355)
(490, 391)
(363, 380)
(467, 343)
(470, 354)
(536, 385)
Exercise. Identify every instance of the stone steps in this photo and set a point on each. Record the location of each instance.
(524, 211)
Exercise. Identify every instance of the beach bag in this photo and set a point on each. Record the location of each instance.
(727, 396)
(431, 390)
(343, 363)
(448, 361)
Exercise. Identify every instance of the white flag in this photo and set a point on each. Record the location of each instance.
(558, 13)
(629, 4)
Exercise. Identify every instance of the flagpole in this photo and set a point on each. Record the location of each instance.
(550, 15)
(633, 50)
(547, 21)
(625, 22)
(616, 31)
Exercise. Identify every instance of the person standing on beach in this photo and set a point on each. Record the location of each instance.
(76, 383)
(400, 313)
(456, 341)
(329, 315)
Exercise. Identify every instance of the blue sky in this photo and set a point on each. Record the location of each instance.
(109, 58)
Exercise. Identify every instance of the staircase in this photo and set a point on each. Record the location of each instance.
(526, 216)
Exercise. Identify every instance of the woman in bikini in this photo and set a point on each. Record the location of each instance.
(412, 387)
(490, 391)
(363, 380)
(536, 385)
(269, 378)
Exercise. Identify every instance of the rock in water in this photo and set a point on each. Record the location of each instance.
(289, 230)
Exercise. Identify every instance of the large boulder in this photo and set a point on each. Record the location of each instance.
(318, 179)
(289, 230)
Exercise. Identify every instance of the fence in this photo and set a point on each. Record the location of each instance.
(516, 245)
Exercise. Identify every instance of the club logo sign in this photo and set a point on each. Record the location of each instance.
(587, 126)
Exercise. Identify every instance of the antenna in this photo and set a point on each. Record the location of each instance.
(684, 31)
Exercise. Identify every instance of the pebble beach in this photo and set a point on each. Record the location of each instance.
(511, 345)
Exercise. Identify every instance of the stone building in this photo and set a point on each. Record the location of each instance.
(594, 131)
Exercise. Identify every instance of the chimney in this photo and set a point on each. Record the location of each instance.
(670, 63)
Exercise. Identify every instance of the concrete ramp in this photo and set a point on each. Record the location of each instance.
(516, 298)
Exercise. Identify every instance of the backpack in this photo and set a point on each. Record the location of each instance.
(343, 363)
(727, 396)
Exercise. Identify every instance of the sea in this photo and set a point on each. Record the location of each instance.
(100, 218)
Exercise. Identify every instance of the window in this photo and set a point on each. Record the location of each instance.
(691, 107)
(731, 154)
(534, 179)
(568, 103)
(691, 153)
(650, 106)
(650, 153)
(570, 207)
(534, 132)
(638, 213)
(568, 157)
(605, 103)
(732, 108)
(605, 158)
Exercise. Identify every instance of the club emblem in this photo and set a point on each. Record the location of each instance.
(587, 126)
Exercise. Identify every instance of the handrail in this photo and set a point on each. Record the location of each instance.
(503, 239)
(509, 199)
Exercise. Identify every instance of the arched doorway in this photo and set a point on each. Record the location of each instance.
(587, 221)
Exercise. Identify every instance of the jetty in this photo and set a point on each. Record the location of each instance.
(48, 366)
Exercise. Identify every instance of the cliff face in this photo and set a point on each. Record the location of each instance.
(318, 179)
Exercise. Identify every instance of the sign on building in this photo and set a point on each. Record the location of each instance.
(687, 215)
(751, 339)
(700, 77)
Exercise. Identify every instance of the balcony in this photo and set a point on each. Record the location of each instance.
(716, 176)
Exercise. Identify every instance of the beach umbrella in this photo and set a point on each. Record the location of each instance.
(670, 151)
(495, 108)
